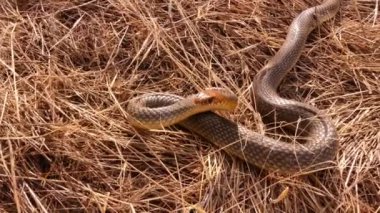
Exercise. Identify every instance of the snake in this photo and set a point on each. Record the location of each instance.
(319, 145)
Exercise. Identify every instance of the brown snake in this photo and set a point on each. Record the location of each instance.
(159, 110)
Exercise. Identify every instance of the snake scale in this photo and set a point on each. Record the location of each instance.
(158, 110)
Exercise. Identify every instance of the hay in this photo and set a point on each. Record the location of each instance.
(68, 68)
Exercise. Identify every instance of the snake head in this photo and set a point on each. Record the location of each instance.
(216, 98)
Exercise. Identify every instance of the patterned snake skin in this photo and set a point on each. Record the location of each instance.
(321, 139)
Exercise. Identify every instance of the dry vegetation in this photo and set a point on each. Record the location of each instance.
(69, 67)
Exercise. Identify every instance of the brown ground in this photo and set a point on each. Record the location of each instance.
(68, 68)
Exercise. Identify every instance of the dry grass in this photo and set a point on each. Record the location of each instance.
(68, 68)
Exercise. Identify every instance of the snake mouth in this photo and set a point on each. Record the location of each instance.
(216, 99)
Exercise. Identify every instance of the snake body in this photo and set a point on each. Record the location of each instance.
(159, 110)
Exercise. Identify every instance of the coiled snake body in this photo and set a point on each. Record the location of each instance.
(159, 110)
